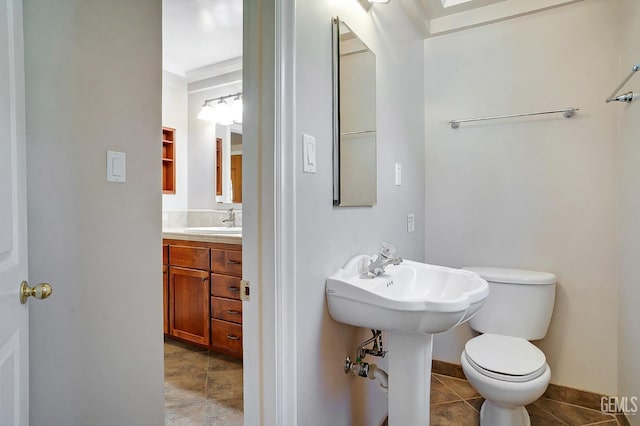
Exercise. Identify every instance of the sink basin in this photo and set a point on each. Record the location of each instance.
(410, 301)
(411, 297)
(213, 230)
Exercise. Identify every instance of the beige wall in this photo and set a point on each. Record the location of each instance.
(326, 236)
(629, 332)
(535, 193)
(93, 83)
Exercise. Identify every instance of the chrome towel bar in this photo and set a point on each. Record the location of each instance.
(566, 113)
(626, 97)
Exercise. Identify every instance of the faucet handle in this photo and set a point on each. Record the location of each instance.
(387, 250)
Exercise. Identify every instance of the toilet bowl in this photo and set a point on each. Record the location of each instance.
(509, 372)
(501, 364)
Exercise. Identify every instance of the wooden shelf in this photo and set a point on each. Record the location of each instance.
(168, 160)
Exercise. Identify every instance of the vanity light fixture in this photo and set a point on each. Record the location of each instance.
(236, 109)
(366, 4)
(221, 111)
(206, 113)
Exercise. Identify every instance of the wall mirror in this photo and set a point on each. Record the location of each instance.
(354, 119)
(228, 164)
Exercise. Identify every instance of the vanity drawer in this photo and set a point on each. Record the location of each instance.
(225, 309)
(189, 257)
(225, 286)
(226, 262)
(165, 254)
(226, 335)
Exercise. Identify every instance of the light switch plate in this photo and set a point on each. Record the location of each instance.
(116, 166)
(398, 174)
(411, 222)
(308, 153)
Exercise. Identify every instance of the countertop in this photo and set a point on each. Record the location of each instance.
(182, 234)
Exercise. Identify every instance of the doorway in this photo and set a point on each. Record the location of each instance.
(202, 212)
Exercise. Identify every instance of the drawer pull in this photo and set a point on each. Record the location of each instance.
(233, 262)
(232, 337)
(232, 288)
(233, 312)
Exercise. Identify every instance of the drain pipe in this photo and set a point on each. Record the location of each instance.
(371, 371)
(377, 373)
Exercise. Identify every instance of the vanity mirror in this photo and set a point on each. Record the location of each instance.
(354, 119)
(228, 164)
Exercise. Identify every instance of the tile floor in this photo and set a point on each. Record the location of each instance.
(454, 402)
(205, 389)
(201, 388)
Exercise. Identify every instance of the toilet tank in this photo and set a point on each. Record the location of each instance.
(520, 303)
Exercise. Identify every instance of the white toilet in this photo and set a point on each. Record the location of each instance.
(501, 364)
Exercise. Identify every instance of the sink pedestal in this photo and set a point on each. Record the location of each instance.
(409, 378)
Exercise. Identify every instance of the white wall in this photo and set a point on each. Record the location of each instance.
(93, 83)
(531, 193)
(328, 236)
(202, 146)
(174, 114)
(629, 332)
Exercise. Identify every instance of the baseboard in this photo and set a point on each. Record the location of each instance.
(447, 369)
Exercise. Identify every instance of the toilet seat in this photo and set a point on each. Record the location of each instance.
(505, 358)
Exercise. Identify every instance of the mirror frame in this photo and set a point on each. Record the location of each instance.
(335, 69)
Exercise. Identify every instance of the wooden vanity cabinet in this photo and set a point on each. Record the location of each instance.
(203, 294)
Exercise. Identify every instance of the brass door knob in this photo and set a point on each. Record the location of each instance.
(41, 291)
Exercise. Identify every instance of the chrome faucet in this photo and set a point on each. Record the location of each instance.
(231, 219)
(384, 259)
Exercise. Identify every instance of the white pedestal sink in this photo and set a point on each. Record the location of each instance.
(411, 302)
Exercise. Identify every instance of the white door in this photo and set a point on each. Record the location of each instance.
(14, 327)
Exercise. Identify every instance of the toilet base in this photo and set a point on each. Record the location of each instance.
(494, 415)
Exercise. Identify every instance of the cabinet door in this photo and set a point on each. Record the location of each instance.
(189, 305)
(165, 298)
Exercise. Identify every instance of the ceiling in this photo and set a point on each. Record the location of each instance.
(198, 33)
(434, 8)
(430, 17)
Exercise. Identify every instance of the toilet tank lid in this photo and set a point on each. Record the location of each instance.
(515, 276)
